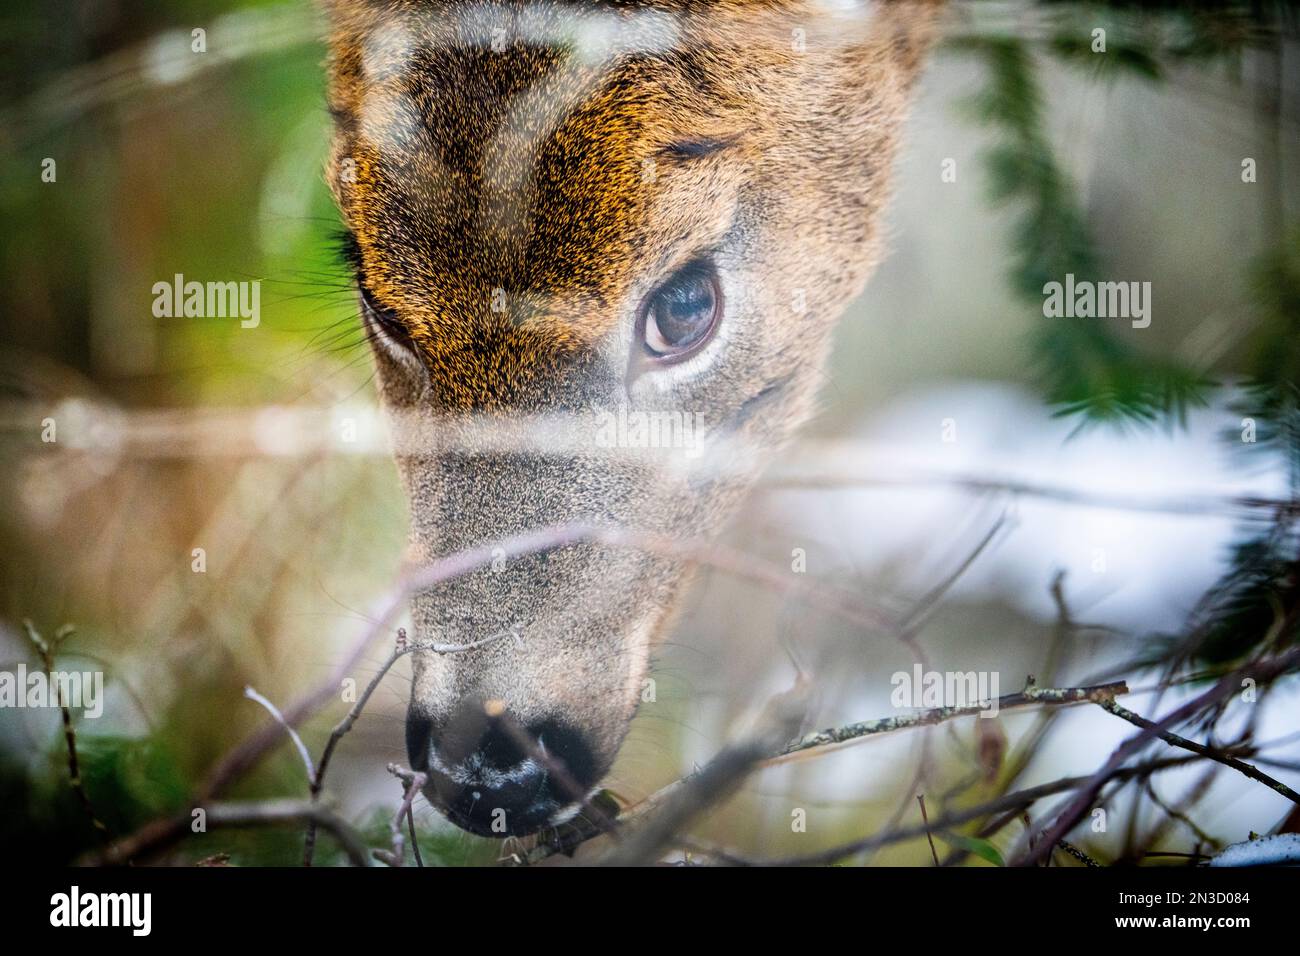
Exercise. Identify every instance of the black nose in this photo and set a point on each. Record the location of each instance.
(494, 775)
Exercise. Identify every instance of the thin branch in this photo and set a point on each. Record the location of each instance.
(409, 778)
(931, 598)
(937, 715)
(1078, 854)
(911, 625)
(400, 650)
(1261, 671)
(1191, 505)
(925, 818)
(47, 649)
(171, 433)
(1254, 773)
(277, 812)
(1176, 814)
(412, 784)
(163, 832)
(274, 711)
(917, 781)
(415, 843)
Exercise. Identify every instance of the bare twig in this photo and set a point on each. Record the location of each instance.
(161, 833)
(918, 779)
(1078, 854)
(412, 784)
(415, 843)
(916, 617)
(272, 812)
(925, 818)
(47, 651)
(401, 649)
(274, 711)
(937, 715)
(1262, 670)
(1030, 742)
(1254, 773)
(408, 777)
(869, 476)
(1181, 816)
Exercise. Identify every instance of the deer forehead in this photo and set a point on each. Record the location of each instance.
(508, 201)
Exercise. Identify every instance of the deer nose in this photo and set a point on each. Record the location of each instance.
(494, 775)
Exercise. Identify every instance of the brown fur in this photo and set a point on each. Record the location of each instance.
(516, 177)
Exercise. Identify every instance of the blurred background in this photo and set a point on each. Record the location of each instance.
(1102, 459)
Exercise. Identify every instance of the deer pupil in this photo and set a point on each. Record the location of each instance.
(683, 310)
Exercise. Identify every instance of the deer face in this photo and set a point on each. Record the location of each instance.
(600, 249)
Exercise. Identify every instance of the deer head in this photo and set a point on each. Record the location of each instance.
(578, 229)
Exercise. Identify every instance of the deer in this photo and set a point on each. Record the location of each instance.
(560, 211)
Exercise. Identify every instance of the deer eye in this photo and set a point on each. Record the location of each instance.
(383, 323)
(681, 315)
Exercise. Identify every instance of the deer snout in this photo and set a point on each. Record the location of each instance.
(494, 775)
